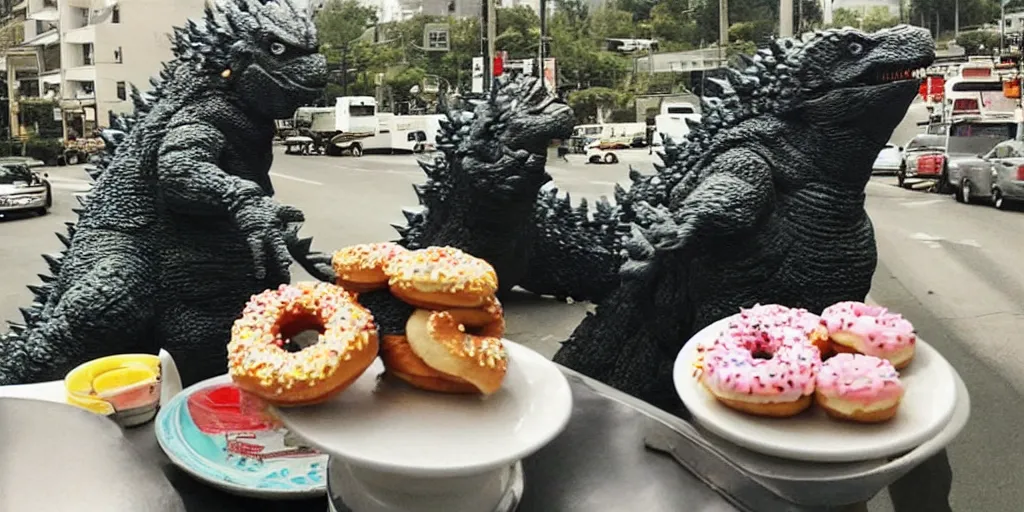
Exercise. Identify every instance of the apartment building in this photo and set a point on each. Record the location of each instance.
(84, 54)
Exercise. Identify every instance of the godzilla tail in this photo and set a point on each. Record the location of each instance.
(632, 339)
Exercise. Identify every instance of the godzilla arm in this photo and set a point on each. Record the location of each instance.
(733, 197)
(191, 182)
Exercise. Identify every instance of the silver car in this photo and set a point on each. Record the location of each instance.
(22, 189)
(997, 175)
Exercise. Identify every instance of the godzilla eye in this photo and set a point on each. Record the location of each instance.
(277, 48)
(855, 48)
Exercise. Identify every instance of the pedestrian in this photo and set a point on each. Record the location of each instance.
(563, 149)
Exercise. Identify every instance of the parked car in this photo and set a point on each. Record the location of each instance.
(997, 176)
(966, 146)
(922, 158)
(888, 160)
(23, 189)
(27, 161)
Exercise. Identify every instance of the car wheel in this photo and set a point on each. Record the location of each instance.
(997, 199)
(943, 185)
(42, 211)
(964, 194)
(594, 159)
(332, 150)
(357, 151)
(72, 158)
(610, 158)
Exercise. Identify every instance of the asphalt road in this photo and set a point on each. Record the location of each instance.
(954, 270)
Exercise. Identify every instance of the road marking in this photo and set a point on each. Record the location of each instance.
(294, 178)
(935, 241)
(926, 202)
(930, 241)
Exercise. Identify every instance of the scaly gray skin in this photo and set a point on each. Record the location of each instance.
(763, 202)
(180, 228)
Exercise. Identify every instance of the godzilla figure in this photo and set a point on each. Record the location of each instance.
(763, 201)
(180, 229)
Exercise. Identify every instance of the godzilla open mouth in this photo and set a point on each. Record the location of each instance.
(891, 74)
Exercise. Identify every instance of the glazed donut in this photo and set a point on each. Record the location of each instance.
(360, 268)
(259, 363)
(441, 278)
(856, 327)
(401, 362)
(773, 315)
(859, 388)
(764, 373)
(451, 347)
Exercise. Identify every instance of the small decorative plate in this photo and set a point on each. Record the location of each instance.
(927, 406)
(219, 435)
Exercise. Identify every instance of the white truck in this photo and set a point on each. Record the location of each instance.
(671, 122)
(355, 126)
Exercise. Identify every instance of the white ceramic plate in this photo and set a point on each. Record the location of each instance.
(382, 424)
(927, 406)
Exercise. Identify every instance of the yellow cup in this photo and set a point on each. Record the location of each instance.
(124, 387)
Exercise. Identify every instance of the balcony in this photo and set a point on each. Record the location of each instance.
(83, 35)
(81, 73)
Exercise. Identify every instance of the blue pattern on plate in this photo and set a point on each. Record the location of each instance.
(206, 456)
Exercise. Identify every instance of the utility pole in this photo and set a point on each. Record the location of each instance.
(492, 29)
(543, 51)
(484, 15)
(1002, 25)
(785, 18)
(956, 18)
(799, 17)
(723, 29)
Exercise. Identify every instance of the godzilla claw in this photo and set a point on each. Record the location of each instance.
(259, 220)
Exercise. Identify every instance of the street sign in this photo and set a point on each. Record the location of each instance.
(478, 74)
(528, 67)
(436, 37)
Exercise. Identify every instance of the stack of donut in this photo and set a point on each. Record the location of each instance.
(775, 361)
(452, 342)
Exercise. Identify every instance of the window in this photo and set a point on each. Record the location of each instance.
(361, 110)
(117, 55)
(115, 14)
(87, 55)
(122, 91)
(437, 40)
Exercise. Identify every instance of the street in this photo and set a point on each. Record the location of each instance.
(956, 271)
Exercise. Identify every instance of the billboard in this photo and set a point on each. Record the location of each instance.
(478, 74)
(550, 77)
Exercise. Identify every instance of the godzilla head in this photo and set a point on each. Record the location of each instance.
(521, 114)
(861, 80)
(265, 51)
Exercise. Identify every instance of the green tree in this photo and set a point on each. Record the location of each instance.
(608, 21)
(978, 42)
(595, 104)
(518, 31)
(846, 18)
(342, 21)
(877, 18)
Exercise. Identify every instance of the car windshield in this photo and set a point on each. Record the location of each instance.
(10, 174)
(927, 142)
(977, 138)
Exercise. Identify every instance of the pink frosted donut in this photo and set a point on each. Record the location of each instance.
(870, 330)
(858, 388)
(773, 315)
(768, 372)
